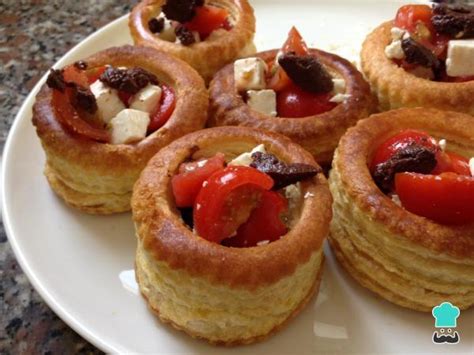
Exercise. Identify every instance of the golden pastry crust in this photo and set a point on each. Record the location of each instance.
(96, 177)
(208, 56)
(318, 134)
(225, 295)
(397, 88)
(407, 259)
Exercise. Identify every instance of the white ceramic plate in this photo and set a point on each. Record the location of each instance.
(74, 260)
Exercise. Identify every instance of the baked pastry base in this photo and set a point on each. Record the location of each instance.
(407, 259)
(208, 56)
(397, 88)
(317, 134)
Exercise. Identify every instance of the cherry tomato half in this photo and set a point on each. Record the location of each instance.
(451, 162)
(207, 20)
(263, 224)
(294, 102)
(187, 184)
(409, 16)
(445, 198)
(227, 200)
(164, 110)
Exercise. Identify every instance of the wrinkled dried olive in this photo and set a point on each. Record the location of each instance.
(129, 80)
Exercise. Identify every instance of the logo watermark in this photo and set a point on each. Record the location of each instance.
(445, 316)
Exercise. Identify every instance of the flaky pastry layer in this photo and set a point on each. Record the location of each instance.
(318, 134)
(177, 259)
(208, 56)
(96, 177)
(407, 259)
(397, 88)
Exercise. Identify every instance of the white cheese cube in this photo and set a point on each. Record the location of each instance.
(129, 126)
(245, 159)
(471, 166)
(167, 33)
(263, 101)
(394, 50)
(397, 33)
(339, 86)
(249, 74)
(442, 144)
(146, 99)
(108, 101)
(460, 61)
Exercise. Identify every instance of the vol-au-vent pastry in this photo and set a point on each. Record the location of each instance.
(306, 94)
(230, 224)
(424, 57)
(101, 119)
(207, 34)
(403, 186)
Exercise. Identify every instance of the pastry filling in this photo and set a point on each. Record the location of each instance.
(425, 178)
(189, 21)
(295, 84)
(434, 43)
(108, 104)
(246, 202)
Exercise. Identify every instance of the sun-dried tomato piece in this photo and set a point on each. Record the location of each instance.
(307, 72)
(185, 36)
(181, 10)
(55, 80)
(414, 158)
(130, 80)
(282, 174)
(454, 20)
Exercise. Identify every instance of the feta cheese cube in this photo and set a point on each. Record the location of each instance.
(129, 126)
(108, 101)
(394, 50)
(146, 99)
(442, 144)
(263, 101)
(471, 166)
(249, 74)
(245, 159)
(397, 33)
(460, 61)
(339, 86)
(167, 33)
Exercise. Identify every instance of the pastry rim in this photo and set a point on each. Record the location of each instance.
(403, 88)
(168, 239)
(228, 108)
(111, 158)
(358, 145)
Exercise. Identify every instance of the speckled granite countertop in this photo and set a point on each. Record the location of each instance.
(33, 35)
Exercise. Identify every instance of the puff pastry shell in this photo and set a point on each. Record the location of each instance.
(98, 178)
(407, 259)
(228, 296)
(208, 56)
(397, 88)
(318, 134)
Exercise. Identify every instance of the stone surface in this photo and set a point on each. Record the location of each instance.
(33, 35)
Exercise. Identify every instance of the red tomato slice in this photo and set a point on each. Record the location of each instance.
(451, 162)
(73, 75)
(445, 198)
(263, 224)
(187, 184)
(207, 19)
(125, 97)
(94, 74)
(409, 16)
(399, 141)
(294, 43)
(227, 200)
(164, 110)
(70, 118)
(294, 102)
